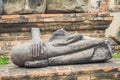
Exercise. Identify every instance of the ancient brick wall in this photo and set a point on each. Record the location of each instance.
(15, 29)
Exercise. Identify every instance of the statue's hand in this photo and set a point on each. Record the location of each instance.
(37, 48)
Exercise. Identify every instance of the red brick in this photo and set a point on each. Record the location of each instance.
(51, 15)
(1, 78)
(108, 18)
(41, 74)
(64, 72)
(40, 24)
(45, 17)
(62, 79)
(7, 38)
(83, 78)
(107, 69)
(118, 69)
(10, 16)
(2, 44)
(25, 29)
(4, 34)
(93, 78)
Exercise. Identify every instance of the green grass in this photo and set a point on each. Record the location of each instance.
(4, 60)
(116, 55)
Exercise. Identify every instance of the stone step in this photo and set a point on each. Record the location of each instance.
(14, 38)
(19, 36)
(10, 43)
(12, 34)
(109, 70)
(27, 35)
(51, 28)
(6, 52)
(53, 18)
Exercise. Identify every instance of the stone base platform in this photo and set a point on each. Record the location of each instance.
(109, 70)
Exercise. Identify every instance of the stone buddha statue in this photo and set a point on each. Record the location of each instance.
(61, 49)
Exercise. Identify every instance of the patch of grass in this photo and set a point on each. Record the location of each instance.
(4, 60)
(116, 55)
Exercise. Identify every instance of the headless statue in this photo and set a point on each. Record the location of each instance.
(61, 49)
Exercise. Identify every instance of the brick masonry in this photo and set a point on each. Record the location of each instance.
(95, 71)
(15, 29)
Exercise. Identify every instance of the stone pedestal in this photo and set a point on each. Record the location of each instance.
(98, 71)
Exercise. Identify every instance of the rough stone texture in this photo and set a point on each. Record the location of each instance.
(65, 6)
(100, 71)
(15, 29)
(1, 6)
(24, 6)
(39, 6)
(114, 29)
(62, 49)
(14, 6)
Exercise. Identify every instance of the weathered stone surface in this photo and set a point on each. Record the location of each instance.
(39, 6)
(35, 6)
(114, 29)
(61, 49)
(65, 6)
(100, 71)
(13, 6)
(1, 6)
(24, 6)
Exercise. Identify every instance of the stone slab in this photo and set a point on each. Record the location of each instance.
(95, 71)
